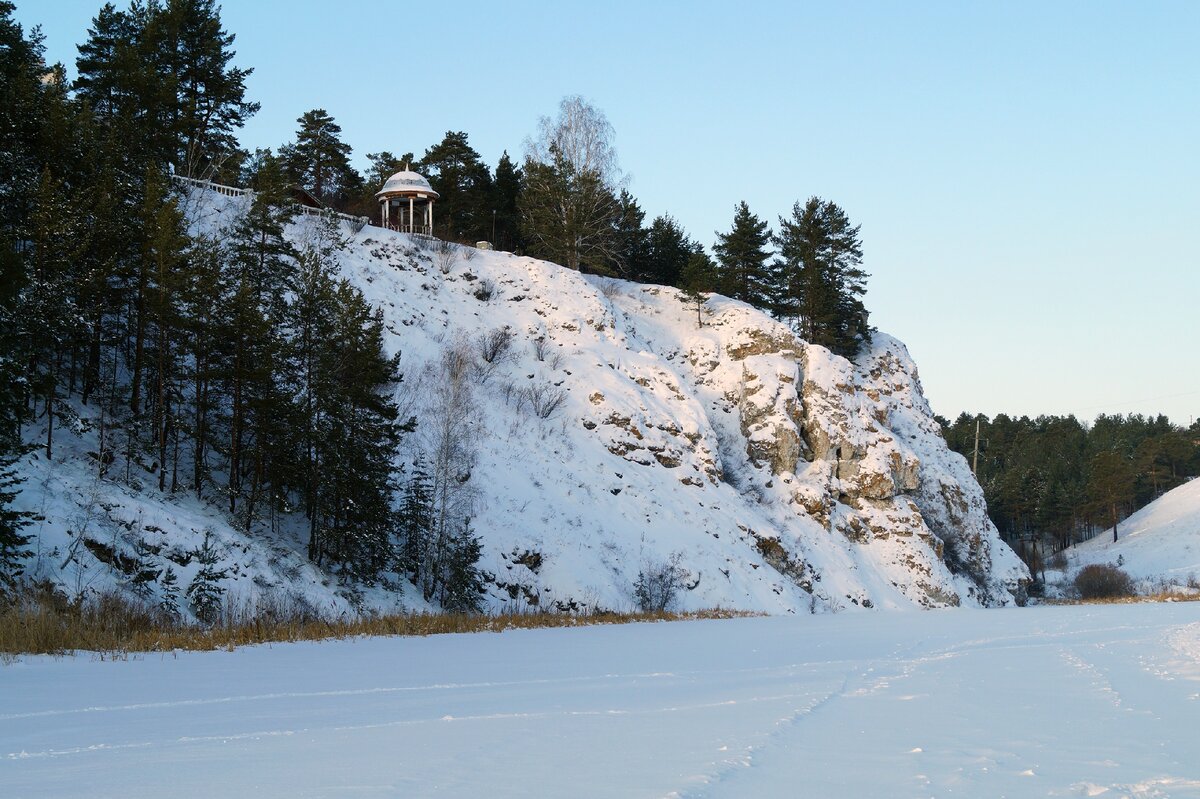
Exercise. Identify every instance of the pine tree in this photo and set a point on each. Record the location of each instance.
(165, 250)
(347, 422)
(463, 583)
(206, 329)
(383, 166)
(743, 255)
(506, 212)
(820, 280)
(47, 311)
(20, 119)
(1110, 486)
(107, 61)
(320, 161)
(161, 74)
(168, 601)
(12, 521)
(631, 248)
(415, 523)
(667, 252)
(260, 274)
(205, 95)
(464, 184)
(697, 279)
(357, 443)
(205, 592)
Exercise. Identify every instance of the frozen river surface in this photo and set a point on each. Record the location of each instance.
(1050, 701)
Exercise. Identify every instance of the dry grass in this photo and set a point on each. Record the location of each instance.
(1159, 596)
(113, 626)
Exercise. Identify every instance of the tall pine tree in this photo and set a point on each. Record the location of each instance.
(821, 284)
(742, 256)
(506, 211)
(319, 160)
(462, 179)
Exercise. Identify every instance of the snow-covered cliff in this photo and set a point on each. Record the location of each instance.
(614, 436)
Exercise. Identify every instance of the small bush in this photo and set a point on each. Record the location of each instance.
(658, 585)
(544, 400)
(445, 253)
(1103, 581)
(494, 346)
(485, 290)
(610, 288)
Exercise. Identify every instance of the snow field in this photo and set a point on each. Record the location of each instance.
(1047, 701)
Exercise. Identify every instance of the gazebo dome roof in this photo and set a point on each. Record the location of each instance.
(406, 183)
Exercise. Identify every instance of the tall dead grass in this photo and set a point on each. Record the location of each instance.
(44, 623)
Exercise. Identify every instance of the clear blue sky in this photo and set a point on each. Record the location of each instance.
(1027, 175)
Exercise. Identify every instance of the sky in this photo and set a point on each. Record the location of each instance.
(1025, 173)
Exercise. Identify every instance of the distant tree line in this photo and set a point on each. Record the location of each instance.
(1056, 480)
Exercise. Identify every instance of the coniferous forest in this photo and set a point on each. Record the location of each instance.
(1053, 481)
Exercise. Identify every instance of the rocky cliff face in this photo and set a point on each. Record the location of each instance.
(767, 473)
(850, 446)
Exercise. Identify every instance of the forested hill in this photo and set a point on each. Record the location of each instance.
(556, 440)
(1057, 480)
(211, 402)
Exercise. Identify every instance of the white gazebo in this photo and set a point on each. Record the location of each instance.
(405, 198)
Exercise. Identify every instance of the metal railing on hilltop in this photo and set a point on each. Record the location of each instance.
(357, 223)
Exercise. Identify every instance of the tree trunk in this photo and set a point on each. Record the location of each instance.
(135, 389)
(91, 372)
(50, 414)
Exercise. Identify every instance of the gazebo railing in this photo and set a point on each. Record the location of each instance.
(416, 230)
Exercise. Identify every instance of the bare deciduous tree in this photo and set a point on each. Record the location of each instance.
(451, 428)
(543, 400)
(581, 136)
(570, 207)
(495, 345)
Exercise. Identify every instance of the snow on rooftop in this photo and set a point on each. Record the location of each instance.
(406, 181)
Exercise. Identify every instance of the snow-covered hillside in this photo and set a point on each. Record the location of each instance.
(614, 437)
(1158, 545)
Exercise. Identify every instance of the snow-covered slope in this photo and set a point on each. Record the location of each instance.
(777, 476)
(1160, 543)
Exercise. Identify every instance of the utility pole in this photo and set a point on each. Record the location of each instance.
(975, 457)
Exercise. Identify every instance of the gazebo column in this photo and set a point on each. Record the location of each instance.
(410, 214)
(383, 212)
(429, 213)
